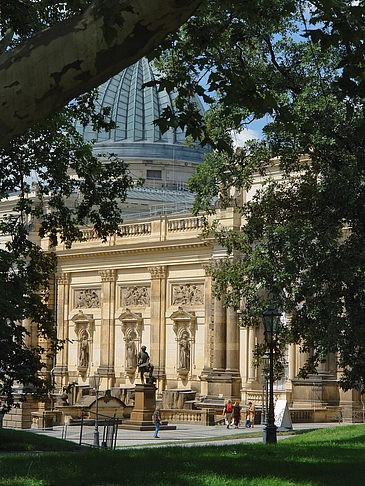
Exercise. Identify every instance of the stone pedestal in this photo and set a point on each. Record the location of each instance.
(144, 406)
(222, 383)
(315, 391)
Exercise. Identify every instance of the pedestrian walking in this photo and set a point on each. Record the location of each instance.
(227, 413)
(251, 412)
(156, 418)
(236, 415)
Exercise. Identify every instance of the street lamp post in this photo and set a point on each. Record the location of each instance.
(265, 376)
(95, 381)
(271, 319)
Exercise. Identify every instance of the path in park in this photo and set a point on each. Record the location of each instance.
(184, 435)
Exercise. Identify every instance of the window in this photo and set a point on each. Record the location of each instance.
(154, 174)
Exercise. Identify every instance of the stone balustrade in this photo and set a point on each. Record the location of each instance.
(135, 229)
(184, 224)
(201, 417)
(155, 229)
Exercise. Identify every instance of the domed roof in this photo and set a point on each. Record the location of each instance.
(134, 109)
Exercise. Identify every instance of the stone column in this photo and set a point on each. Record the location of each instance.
(292, 362)
(62, 320)
(244, 357)
(158, 323)
(219, 335)
(251, 347)
(107, 331)
(208, 316)
(232, 343)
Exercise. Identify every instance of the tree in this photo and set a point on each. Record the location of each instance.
(70, 188)
(302, 246)
(59, 56)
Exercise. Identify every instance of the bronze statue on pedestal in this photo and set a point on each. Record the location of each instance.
(145, 366)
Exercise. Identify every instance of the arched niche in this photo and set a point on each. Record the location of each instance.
(132, 335)
(184, 328)
(84, 329)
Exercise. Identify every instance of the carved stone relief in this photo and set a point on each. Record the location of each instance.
(87, 298)
(136, 296)
(187, 294)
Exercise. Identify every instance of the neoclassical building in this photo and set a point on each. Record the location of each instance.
(152, 285)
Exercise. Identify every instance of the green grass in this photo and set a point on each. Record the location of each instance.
(328, 457)
(20, 441)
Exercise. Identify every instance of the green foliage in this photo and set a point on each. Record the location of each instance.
(302, 244)
(53, 185)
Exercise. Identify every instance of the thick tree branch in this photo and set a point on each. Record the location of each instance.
(59, 63)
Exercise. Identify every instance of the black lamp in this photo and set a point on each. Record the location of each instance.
(271, 320)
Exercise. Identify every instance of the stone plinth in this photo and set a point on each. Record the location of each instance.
(144, 403)
(144, 406)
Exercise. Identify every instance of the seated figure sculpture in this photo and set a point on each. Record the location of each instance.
(145, 366)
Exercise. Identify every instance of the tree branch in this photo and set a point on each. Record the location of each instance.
(57, 64)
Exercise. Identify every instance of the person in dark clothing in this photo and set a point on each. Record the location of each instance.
(156, 418)
(236, 415)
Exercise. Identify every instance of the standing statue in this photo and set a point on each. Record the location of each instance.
(144, 365)
(131, 355)
(184, 354)
(84, 350)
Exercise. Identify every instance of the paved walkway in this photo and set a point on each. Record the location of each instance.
(184, 435)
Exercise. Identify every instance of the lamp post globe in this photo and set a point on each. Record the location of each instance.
(271, 320)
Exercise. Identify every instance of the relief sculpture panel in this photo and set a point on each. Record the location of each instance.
(87, 298)
(188, 294)
(135, 296)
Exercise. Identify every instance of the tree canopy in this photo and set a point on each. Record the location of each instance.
(59, 50)
(302, 244)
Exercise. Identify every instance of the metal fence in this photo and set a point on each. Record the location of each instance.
(91, 424)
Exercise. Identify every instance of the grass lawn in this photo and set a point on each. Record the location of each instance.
(321, 458)
(20, 441)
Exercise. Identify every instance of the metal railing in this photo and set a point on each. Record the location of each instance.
(108, 425)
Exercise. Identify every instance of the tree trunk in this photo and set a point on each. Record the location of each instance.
(57, 64)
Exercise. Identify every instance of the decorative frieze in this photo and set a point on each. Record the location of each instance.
(135, 296)
(87, 298)
(187, 294)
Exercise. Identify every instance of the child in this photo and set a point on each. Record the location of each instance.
(248, 424)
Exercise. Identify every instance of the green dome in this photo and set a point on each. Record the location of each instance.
(134, 109)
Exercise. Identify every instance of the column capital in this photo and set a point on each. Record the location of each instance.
(208, 268)
(63, 278)
(158, 271)
(107, 275)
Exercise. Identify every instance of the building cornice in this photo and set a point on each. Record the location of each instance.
(111, 251)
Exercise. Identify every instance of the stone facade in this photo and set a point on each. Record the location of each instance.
(155, 289)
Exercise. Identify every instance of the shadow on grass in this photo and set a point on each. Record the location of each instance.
(327, 461)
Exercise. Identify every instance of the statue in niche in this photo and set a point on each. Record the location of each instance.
(84, 350)
(145, 365)
(131, 355)
(184, 353)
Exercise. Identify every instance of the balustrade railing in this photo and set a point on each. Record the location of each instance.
(186, 224)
